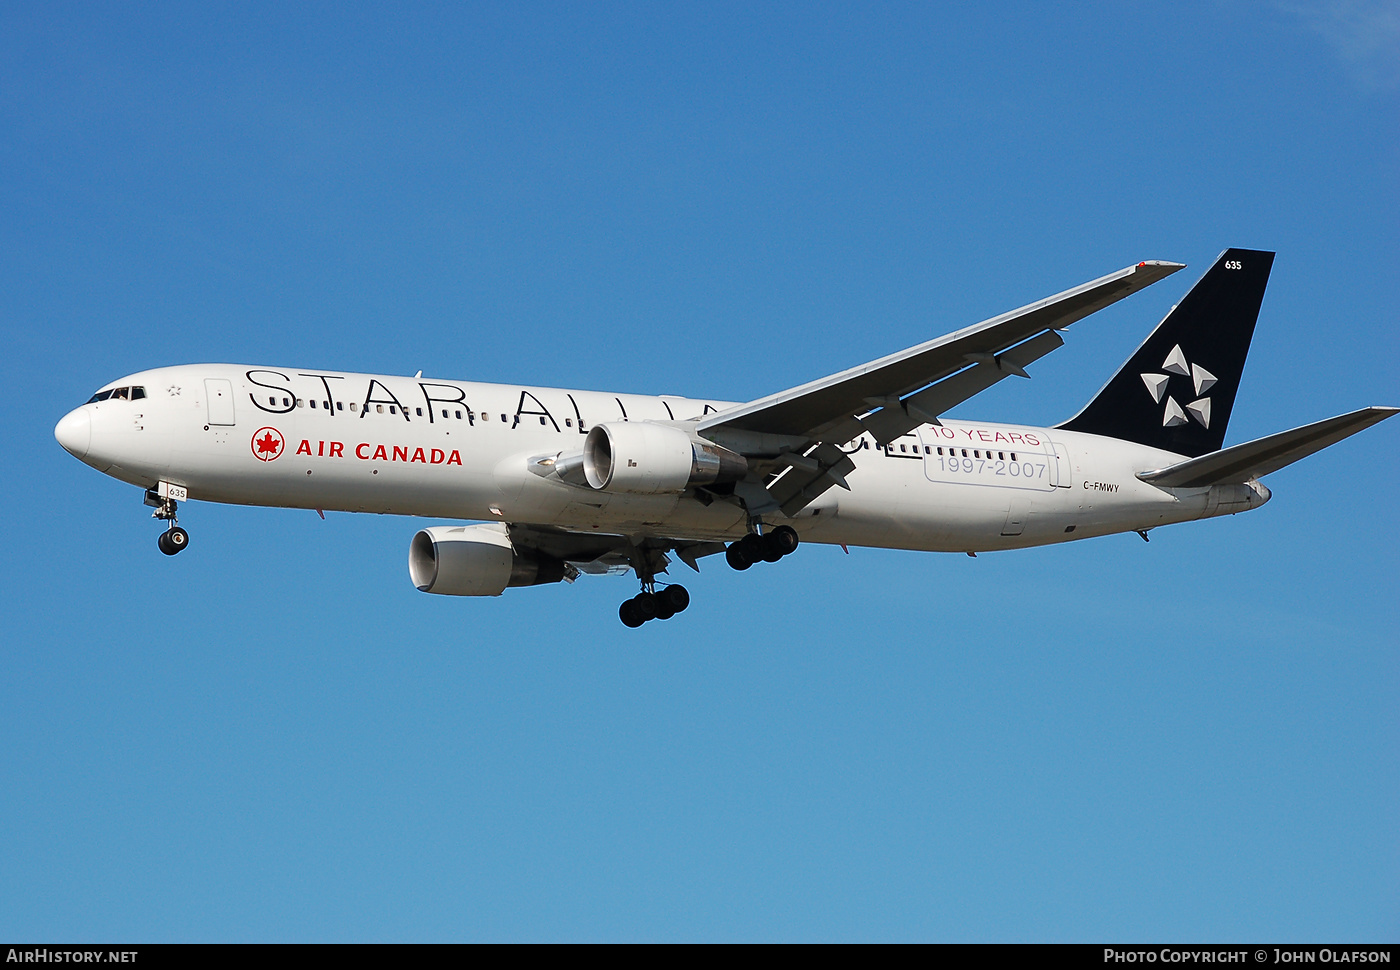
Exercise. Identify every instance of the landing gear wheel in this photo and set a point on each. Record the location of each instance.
(646, 606)
(734, 555)
(663, 609)
(785, 537)
(771, 547)
(173, 540)
(627, 612)
(677, 598)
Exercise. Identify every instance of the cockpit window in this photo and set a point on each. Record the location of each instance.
(119, 394)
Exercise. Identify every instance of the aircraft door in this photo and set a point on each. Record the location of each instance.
(219, 393)
(1061, 472)
(1016, 515)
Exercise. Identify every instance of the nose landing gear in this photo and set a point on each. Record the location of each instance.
(174, 538)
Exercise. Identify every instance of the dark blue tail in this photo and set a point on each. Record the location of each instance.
(1176, 392)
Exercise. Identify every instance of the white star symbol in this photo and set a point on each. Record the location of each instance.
(1172, 413)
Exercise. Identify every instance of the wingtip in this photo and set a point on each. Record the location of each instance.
(1161, 264)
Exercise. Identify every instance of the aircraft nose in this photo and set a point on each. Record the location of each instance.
(74, 432)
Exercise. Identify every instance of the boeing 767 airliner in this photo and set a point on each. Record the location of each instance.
(567, 482)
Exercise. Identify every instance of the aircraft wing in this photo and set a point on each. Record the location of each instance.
(802, 428)
(832, 408)
(1253, 459)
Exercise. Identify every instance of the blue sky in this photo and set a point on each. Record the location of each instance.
(275, 737)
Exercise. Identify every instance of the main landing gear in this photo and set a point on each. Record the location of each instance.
(653, 604)
(767, 547)
(174, 538)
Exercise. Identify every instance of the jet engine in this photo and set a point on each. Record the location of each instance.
(476, 560)
(638, 456)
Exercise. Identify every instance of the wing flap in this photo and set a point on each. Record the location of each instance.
(901, 417)
(1253, 459)
(809, 475)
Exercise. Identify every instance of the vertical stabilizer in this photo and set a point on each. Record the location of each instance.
(1177, 390)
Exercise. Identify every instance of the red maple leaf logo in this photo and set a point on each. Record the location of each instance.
(267, 443)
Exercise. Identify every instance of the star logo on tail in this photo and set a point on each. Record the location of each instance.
(1202, 380)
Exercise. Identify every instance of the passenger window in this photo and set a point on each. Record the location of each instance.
(379, 409)
(272, 401)
(326, 405)
(541, 419)
(137, 393)
(353, 406)
(286, 402)
(300, 402)
(340, 405)
(568, 422)
(444, 412)
(1013, 456)
(459, 415)
(391, 410)
(1001, 456)
(964, 452)
(313, 405)
(504, 419)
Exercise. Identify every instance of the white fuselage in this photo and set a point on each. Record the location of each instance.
(326, 440)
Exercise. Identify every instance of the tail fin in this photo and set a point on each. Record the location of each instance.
(1176, 392)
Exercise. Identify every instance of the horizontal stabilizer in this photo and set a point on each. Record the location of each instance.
(1253, 459)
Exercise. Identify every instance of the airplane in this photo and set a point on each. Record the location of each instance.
(558, 483)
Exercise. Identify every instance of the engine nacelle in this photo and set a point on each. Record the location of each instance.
(638, 456)
(475, 560)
